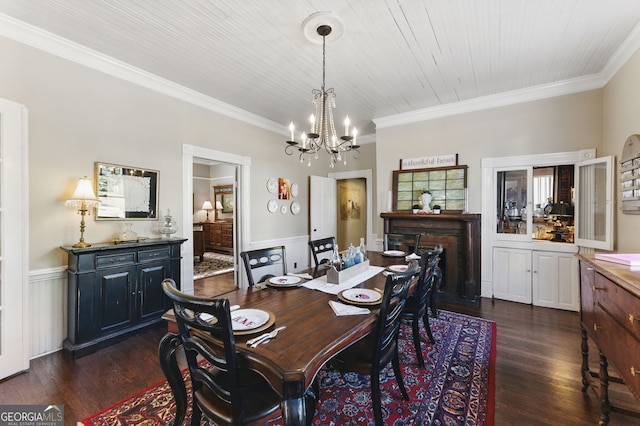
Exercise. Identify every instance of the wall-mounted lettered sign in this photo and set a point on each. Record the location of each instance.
(428, 162)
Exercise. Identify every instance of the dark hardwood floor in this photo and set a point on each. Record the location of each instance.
(537, 371)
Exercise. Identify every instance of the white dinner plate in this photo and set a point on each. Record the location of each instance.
(361, 295)
(248, 319)
(284, 281)
(394, 253)
(398, 268)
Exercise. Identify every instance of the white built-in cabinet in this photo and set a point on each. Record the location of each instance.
(517, 264)
(541, 278)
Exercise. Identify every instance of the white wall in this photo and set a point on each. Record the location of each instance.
(564, 123)
(78, 115)
(621, 119)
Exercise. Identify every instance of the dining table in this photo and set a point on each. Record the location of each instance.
(314, 332)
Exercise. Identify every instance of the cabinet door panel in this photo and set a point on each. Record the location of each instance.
(568, 283)
(545, 279)
(114, 307)
(152, 300)
(555, 280)
(512, 274)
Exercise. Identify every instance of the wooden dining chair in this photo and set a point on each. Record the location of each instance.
(404, 242)
(418, 303)
(320, 247)
(264, 263)
(380, 347)
(223, 389)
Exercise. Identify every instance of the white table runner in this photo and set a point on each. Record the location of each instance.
(322, 284)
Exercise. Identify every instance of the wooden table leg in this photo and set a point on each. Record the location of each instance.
(294, 406)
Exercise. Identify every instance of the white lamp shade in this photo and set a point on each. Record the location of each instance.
(83, 194)
(218, 205)
(207, 205)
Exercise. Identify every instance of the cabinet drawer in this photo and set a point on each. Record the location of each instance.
(620, 347)
(115, 260)
(619, 303)
(147, 255)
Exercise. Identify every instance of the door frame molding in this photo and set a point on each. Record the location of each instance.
(15, 217)
(367, 174)
(242, 208)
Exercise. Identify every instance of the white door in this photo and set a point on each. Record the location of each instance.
(323, 206)
(14, 239)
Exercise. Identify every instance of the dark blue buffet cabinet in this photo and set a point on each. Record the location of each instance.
(114, 290)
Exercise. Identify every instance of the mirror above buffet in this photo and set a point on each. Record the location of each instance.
(126, 193)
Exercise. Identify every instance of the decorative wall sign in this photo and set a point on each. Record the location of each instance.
(429, 162)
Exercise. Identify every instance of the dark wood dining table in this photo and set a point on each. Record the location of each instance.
(314, 334)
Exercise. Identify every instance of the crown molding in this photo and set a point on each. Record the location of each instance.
(528, 94)
(628, 48)
(595, 81)
(30, 35)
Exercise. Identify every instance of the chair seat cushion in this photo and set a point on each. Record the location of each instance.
(356, 357)
(257, 405)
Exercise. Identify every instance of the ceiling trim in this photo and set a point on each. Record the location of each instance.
(528, 94)
(36, 37)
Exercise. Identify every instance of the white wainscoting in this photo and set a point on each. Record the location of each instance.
(48, 316)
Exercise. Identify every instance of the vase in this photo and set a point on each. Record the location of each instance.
(128, 234)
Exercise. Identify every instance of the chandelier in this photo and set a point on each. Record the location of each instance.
(322, 135)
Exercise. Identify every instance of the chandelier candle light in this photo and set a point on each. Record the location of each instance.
(83, 199)
(322, 134)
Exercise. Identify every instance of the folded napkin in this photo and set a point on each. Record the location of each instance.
(341, 309)
(305, 276)
(412, 256)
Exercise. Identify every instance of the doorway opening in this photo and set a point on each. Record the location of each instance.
(212, 176)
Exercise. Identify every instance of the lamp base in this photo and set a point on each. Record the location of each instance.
(81, 244)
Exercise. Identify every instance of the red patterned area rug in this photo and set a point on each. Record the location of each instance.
(456, 387)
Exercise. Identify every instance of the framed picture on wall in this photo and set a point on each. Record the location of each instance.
(284, 189)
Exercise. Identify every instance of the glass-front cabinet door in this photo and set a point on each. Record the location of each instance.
(594, 189)
(512, 203)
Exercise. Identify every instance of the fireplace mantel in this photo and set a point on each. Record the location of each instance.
(459, 234)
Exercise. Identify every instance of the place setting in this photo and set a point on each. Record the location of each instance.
(251, 321)
(285, 281)
(394, 253)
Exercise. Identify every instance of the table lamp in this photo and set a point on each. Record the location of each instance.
(218, 209)
(83, 199)
(207, 206)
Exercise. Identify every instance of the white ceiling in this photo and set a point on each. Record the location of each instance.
(396, 60)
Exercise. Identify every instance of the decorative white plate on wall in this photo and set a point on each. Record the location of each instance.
(272, 185)
(294, 189)
(272, 206)
(283, 209)
(295, 207)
